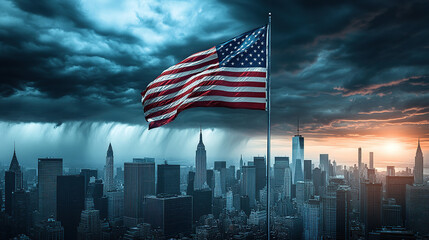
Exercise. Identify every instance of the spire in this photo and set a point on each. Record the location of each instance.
(14, 165)
(297, 129)
(201, 135)
(110, 150)
(419, 149)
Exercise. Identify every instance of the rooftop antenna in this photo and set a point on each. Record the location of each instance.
(298, 126)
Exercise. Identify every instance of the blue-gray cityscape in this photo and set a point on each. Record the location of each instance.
(151, 199)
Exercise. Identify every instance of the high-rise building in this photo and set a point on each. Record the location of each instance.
(241, 161)
(171, 213)
(70, 203)
(49, 169)
(139, 181)
(210, 178)
(304, 191)
(391, 213)
(371, 160)
(260, 171)
(298, 171)
(390, 170)
(49, 230)
(14, 167)
(9, 182)
(417, 208)
(311, 219)
(229, 201)
(200, 164)
(248, 184)
(297, 153)
(317, 180)
(280, 163)
(115, 205)
(168, 179)
(396, 189)
(324, 167)
(218, 165)
(217, 192)
(21, 211)
(418, 167)
(307, 170)
(287, 183)
(201, 203)
(371, 175)
(191, 180)
(343, 212)
(88, 173)
(89, 225)
(371, 206)
(329, 212)
(360, 161)
(109, 183)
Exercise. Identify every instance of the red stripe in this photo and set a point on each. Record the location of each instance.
(204, 83)
(221, 73)
(206, 93)
(245, 105)
(190, 68)
(196, 58)
(207, 83)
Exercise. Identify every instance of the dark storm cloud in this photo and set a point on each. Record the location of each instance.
(334, 62)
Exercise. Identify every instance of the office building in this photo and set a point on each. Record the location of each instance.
(168, 179)
(343, 212)
(417, 208)
(287, 183)
(21, 211)
(109, 183)
(139, 181)
(115, 205)
(14, 167)
(390, 170)
(245, 204)
(280, 163)
(248, 184)
(324, 167)
(418, 166)
(49, 229)
(371, 206)
(87, 174)
(260, 171)
(371, 160)
(391, 213)
(311, 219)
(49, 169)
(329, 212)
(190, 181)
(307, 170)
(171, 213)
(89, 225)
(202, 203)
(360, 166)
(218, 165)
(200, 164)
(396, 189)
(9, 182)
(70, 203)
(317, 180)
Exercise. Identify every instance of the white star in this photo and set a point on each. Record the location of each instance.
(250, 63)
(254, 59)
(233, 63)
(235, 47)
(259, 55)
(242, 63)
(259, 63)
(259, 47)
(250, 54)
(245, 59)
(230, 44)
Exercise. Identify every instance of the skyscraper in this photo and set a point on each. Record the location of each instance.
(139, 181)
(324, 167)
(248, 184)
(371, 160)
(307, 170)
(108, 170)
(360, 161)
(49, 169)
(171, 213)
(417, 198)
(260, 171)
(311, 219)
(168, 179)
(9, 182)
(200, 164)
(371, 206)
(297, 153)
(14, 167)
(280, 163)
(287, 182)
(390, 170)
(418, 167)
(70, 203)
(396, 188)
(344, 211)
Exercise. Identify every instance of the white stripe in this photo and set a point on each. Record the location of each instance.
(189, 64)
(227, 69)
(182, 74)
(210, 50)
(209, 98)
(212, 87)
(170, 105)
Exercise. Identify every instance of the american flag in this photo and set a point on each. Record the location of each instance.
(232, 74)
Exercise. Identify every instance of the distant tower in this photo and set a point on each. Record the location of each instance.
(14, 167)
(200, 164)
(108, 170)
(371, 160)
(241, 161)
(297, 153)
(418, 167)
(360, 161)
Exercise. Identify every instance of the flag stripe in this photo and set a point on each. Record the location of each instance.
(235, 105)
(189, 68)
(172, 111)
(212, 72)
(159, 101)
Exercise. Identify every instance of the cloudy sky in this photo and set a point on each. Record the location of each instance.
(355, 73)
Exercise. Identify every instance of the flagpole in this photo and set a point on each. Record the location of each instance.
(269, 123)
